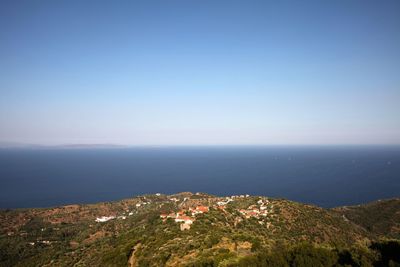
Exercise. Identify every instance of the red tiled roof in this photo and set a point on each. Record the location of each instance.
(202, 208)
(185, 218)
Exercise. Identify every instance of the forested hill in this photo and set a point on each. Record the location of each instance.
(188, 229)
(381, 218)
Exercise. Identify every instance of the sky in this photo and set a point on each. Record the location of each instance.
(200, 72)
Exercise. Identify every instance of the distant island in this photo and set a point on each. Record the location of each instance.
(11, 145)
(78, 146)
(198, 229)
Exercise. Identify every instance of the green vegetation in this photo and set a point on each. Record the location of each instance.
(381, 217)
(288, 234)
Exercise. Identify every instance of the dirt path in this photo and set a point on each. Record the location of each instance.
(132, 259)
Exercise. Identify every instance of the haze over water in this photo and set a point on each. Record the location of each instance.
(327, 175)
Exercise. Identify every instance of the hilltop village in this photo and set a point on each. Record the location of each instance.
(182, 208)
(189, 208)
(198, 229)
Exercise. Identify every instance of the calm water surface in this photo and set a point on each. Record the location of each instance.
(325, 176)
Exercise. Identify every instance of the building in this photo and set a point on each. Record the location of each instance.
(104, 218)
(202, 209)
(199, 210)
(184, 219)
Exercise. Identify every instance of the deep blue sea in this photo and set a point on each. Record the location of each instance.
(327, 176)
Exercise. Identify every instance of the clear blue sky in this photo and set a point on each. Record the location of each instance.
(200, 72)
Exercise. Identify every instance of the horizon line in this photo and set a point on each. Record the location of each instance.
(119, 145)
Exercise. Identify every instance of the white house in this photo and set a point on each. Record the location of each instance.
(104, 218)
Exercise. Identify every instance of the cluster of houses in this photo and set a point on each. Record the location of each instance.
(108, 218)
(186, 217)
(222, 204)
(240, 196)
(112, 217)
(125, 214)
(256, 211)
(182, 217)
(142, 204)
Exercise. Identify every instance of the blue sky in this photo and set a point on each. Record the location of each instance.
(200, 72)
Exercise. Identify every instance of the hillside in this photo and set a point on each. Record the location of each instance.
(382, 218)
(195, 230)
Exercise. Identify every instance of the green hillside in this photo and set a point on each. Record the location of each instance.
(382, 218)
(197, 230)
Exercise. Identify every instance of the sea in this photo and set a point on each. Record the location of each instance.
(326, 176)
